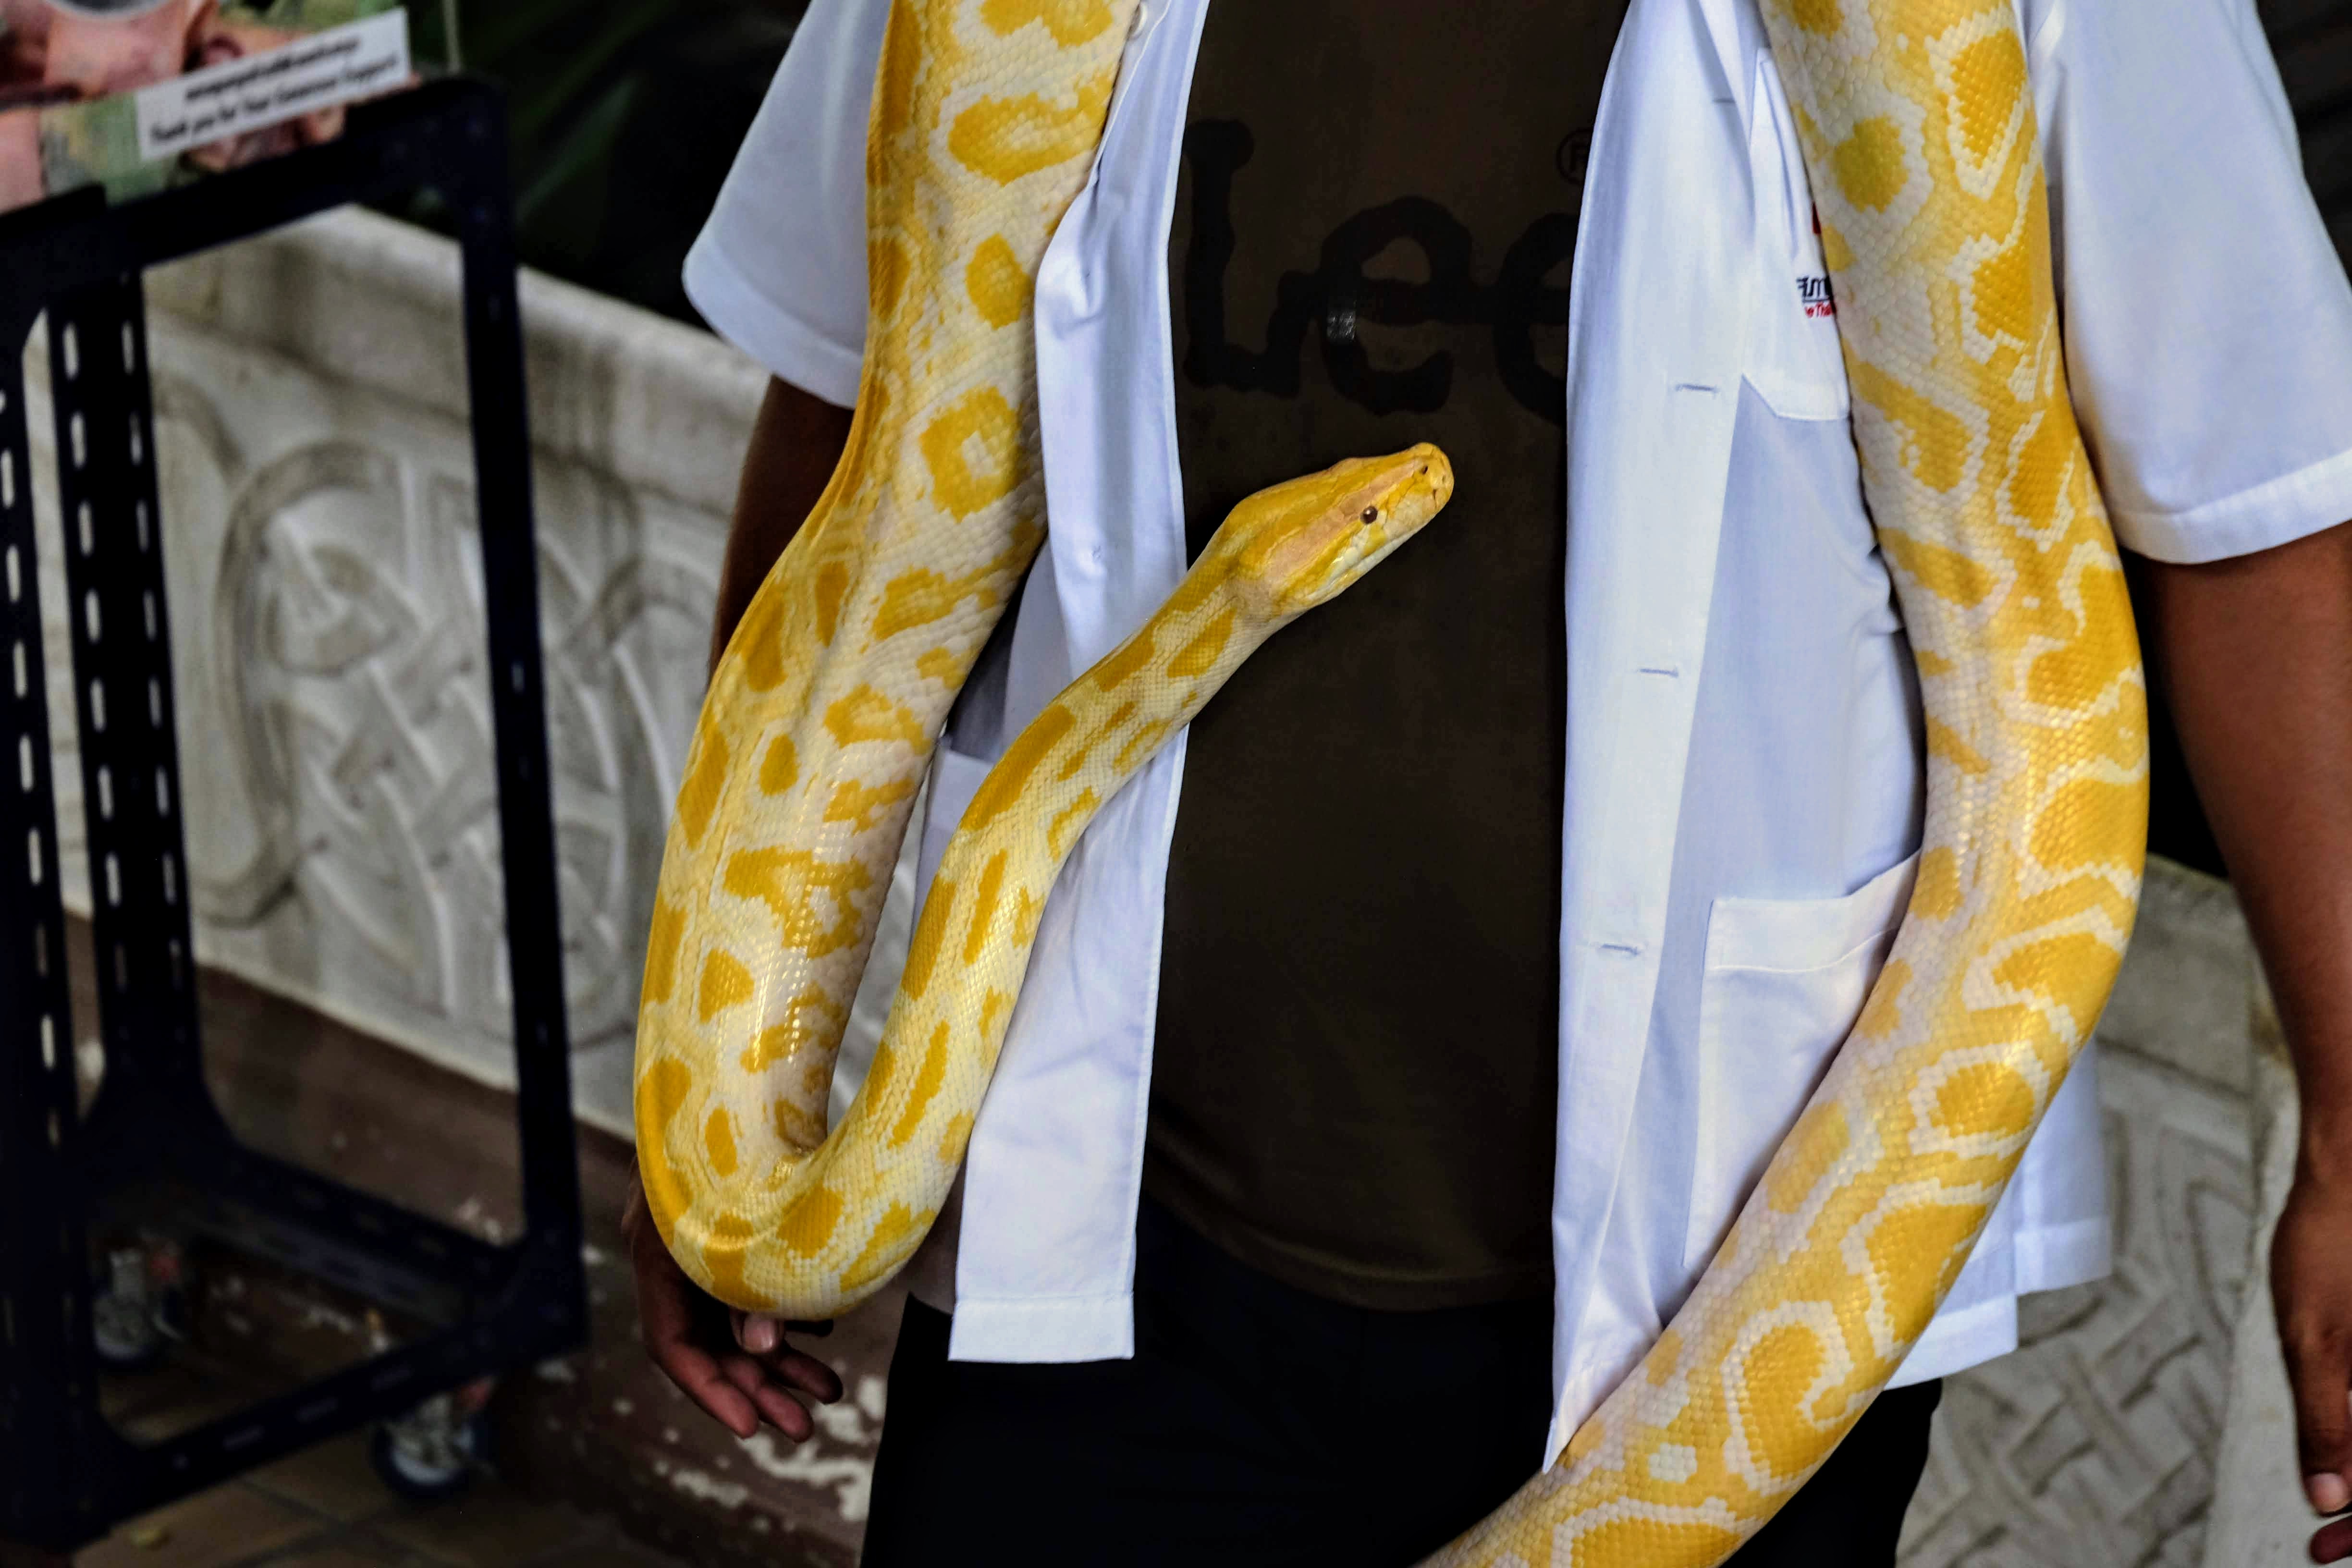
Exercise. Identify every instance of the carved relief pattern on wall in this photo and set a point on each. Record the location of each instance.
(329, 635)
(2093, 1443)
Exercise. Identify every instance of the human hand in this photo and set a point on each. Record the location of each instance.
(735, 1366)
(2311, 1291)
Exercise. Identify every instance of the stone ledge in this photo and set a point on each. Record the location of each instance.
(365, 298)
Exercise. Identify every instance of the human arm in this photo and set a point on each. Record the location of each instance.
(796, 440)
(740, 1369)
(2254, 653)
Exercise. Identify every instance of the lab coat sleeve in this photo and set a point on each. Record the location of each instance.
(779, 268)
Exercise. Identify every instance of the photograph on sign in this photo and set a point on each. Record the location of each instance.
(140, 95)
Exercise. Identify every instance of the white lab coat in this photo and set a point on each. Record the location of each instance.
(1744, 740)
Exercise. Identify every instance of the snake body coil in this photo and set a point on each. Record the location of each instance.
(1918, 131)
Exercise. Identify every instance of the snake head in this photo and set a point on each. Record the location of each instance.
(1302, 542)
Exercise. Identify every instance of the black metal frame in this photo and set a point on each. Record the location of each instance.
(154, 1137)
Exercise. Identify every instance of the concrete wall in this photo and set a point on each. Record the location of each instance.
(328, 625)
(326, 620)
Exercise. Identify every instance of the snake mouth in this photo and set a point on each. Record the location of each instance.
(1374, 505)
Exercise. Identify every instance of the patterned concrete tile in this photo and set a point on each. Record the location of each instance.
(333, 1478)
(490, 1526)
(355, 1552)
(228, 1525)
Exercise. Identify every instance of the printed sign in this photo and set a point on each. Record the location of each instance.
(141, 95)
(238, 97)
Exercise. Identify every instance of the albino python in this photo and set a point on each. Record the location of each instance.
(1918, 131)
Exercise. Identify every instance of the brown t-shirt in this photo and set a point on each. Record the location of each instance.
(1355, 1081)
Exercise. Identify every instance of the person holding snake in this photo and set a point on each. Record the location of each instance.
(1607, 1000)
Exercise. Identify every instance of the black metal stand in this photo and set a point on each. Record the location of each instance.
(153, 1143)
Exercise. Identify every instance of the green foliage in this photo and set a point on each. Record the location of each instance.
(307, 14)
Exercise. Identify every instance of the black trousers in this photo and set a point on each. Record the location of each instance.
(1258, 1424)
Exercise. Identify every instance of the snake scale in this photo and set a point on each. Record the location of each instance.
(1918, 131)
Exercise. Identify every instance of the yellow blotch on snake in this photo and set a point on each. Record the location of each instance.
(862, 805)
(1200, 655)
(725, 984)
(718, 1141)
(2001, 297)
(1123, 663)
(1985, 1099)
(1145, 737)
(867, 715)
(1819, 1141)
(1070, 21)
(2091, 664)
(983, 907)
(1989, 73)
(1883, 1013)
(661, 952)
(922, 597)
(886, 271)
(1007, 138)
(698, 797)
(1070, 816)
(1870, 165)
(929, 1076)
(781, 1042)
(662, 1089)
(1000, 291)
(809, 1225)
(832, 587)
(791, 882)
(884, 1248)
(1005, 781)
(1915, 1252)
(1945, 741)
(2032, 966)
(1936, 893)
(1776, 1372)
(930, 931)
(1935, 445)
(781, 768)
(2079, 827)
(973, 450)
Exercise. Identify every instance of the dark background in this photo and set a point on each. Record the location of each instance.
(626, 113)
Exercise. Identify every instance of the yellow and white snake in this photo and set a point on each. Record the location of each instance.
(1918, 131)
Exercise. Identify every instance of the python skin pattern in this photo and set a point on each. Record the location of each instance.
(1918, 129)
(1919, 133)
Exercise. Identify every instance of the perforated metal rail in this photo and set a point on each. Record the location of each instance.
(153, 1143)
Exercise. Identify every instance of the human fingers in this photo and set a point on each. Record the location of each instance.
(666, 1329)
(775, 1405)
(2311, 1289)
(763, 1338)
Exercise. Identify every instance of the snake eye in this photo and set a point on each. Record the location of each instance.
(1371, 514)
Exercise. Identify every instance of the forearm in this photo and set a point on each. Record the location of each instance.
(2255, 657)
(796, 440)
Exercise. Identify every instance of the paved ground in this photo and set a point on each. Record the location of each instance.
(325, 1509)
(597, 1459)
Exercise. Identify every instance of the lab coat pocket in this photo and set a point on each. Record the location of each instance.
(955, 779)
(1785, 981)
(1795, 361)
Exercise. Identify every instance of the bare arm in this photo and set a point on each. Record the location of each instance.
(2255, 654)
(741, 1370)
(796, 439)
